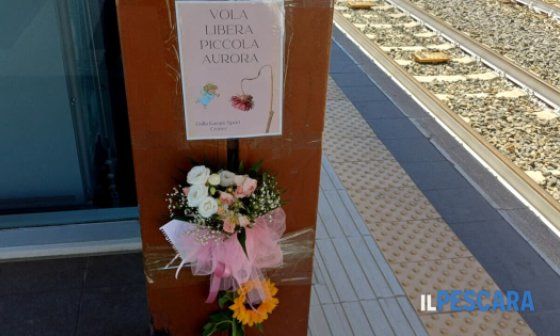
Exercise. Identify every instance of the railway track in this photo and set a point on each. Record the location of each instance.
(512, 71)
(495, 107)
(529, 39)
(550, 8)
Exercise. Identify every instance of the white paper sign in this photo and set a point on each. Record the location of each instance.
(231, 55)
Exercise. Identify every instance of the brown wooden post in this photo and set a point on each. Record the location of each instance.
(150, 55)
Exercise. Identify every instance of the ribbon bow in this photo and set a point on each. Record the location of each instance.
(213, 253)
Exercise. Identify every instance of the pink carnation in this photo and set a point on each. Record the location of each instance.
(229, 226)
(226, 198)
(242, 102)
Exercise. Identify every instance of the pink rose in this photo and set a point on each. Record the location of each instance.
(243, 221)
(246, 188)
(249, 186)
(229, 226)
(186, 191)
(226, 198)
(239, 179)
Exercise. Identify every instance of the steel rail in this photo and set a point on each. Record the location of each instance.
(541, 200)
(542, 7)
(522, 77)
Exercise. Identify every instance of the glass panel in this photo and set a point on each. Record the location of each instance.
(64, 141)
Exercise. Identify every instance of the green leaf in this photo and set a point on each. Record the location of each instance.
(257, 166)
(241, 168)
(222, 300)
(219, 321)
(242, 237)
(224, 325)
(209, 329)
(260, 327)
(237, 328)
(225, 299)
(220, 316)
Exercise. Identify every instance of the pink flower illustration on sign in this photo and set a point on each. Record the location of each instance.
(242, 102)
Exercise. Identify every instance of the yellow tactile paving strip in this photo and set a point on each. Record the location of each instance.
(372, 175)
(397, 205)
(421, 240)
(475, 323)
(423, 251)
(352, 149)
(432, 275)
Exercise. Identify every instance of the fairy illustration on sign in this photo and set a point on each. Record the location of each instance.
(209, 92)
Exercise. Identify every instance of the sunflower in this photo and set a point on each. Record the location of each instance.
(253, 314)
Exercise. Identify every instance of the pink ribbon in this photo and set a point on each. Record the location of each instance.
(219, 273)
(222, 257)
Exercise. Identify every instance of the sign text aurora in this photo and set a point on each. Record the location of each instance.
(234, 43)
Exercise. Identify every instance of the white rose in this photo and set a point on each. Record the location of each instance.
(198, 175)
(226, 178)
(196, 195)
(214, 179)
(208, 207)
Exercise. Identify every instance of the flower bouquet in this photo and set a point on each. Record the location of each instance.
(228, 226)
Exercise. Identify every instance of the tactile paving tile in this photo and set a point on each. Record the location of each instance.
(427, 277)
(476, 323)
(342, 129)
(343, 109)
(334, 92)
(343, 121)
(353, 149)
(381, 208)
(418, 240)
(372, 175)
